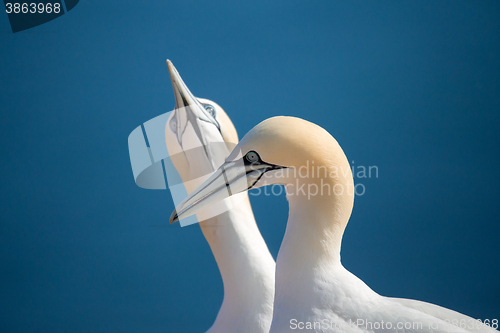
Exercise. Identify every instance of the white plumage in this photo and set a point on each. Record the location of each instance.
(314, 292)
(194, 133)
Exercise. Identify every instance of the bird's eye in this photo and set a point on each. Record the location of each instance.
(252, 157)
(173, 125)
(210, 109)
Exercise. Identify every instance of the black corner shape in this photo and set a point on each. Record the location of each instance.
(70, 4)
(26, 14)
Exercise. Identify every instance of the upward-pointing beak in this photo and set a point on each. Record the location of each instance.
(231, 178)
(189, 111)
(183, 97)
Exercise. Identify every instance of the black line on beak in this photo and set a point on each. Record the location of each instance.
(227, 182)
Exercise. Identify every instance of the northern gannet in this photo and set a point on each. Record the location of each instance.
(194, 133)
(314, 292)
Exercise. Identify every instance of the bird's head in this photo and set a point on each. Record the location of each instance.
(280, 150)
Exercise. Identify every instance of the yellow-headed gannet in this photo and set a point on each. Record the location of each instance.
(194, 133)
(314, 292)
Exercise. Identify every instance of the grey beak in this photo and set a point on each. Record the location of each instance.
(183, 97)
(231, 178)
(188, 110)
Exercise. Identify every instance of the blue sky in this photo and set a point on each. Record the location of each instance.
(409, 87)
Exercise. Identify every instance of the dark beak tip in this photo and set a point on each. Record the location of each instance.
(173, 218)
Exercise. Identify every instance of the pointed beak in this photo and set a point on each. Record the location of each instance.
(183, 97)
(189, 112)
(231, 178)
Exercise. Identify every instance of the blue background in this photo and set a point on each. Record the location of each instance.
(411, 87)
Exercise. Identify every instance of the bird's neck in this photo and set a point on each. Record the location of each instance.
(246, 266)
(309, 255)
(319, 210)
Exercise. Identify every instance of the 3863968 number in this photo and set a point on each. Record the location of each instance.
(40, 8)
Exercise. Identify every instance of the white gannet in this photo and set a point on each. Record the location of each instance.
(314, 292)
(194, 133)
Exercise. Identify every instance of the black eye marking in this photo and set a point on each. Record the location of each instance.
(254, 163)
(252, 157)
